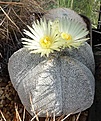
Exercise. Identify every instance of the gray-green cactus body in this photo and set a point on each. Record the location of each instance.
(63, 12)
(83, 54)
(61, 85)
(21, 62)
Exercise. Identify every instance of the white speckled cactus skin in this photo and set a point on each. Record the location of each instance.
(83, 54)
(63, 84)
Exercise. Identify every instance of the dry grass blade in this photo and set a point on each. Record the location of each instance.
(78, 116)
(18, 16)
(36, 114)
(23, 114)
(17, 116)
(97, 45)
(11, 3)
(1, 55)
(2, 115)
(10, 20)
(66, 117)
(9, 17)
(97, 31)
(54, 116)
(2, 21)
(47, 116)
(60, 118)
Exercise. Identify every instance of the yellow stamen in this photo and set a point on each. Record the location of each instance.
(66, 36)
(46, 42)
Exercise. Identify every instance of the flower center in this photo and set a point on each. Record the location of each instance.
(66, 36)
(46, 42)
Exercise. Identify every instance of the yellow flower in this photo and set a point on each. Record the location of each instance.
(44, 37)
(72, 32)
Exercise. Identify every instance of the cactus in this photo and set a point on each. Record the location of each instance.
(62, 83)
